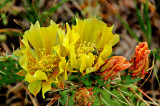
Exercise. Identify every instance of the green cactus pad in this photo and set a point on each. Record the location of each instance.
(9, 66)
(110, 96)
(127, 79)
(106, 96)
(67, 97)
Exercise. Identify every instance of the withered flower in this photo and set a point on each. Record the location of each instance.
(113, 65)
(139, 61)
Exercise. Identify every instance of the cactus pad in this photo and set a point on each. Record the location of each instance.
(9, 66)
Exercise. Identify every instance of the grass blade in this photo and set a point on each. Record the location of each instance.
(50, 11)
(53, 9)
(1, 5)
(149, 29)
(140, 19)
(128, 28)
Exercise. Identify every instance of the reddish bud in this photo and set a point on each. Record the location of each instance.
(139, 61)
(84, 97)
(113, 65)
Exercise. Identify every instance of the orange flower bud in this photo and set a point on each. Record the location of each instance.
(139, 61)
(113, 65)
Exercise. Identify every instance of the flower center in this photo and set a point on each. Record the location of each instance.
(46, 63)
(86, 48)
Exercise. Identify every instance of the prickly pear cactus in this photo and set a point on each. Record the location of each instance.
(104, 96)
(8, 68)
(103, 93)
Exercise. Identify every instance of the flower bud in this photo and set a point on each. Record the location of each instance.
(113, 65)
(83, 97)
(139, 61)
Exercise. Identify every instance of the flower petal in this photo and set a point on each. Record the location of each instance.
(72, 62)
(83, 63)
(22, 73)
(86, 62)
(101, 60)
(62, 68)
(35, 87)
(79, 28)
(68, 27)
(23, 62)
(108, 38)
(48, 36)
(18, 53)
(90, 31)
(90, 60)
(33, 35)
(46, 86)
(61, 34)
(30, 78)
(106, 52)
(40, 75)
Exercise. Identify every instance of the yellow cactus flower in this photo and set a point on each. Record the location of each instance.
(41, 57)
(89, 43)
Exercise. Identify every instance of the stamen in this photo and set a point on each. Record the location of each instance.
(85, 48)
(46, 63)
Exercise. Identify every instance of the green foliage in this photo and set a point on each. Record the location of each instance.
(124, 23)
(4, 3)
(145, 25)
(4, 18)
(8, 68)
(32, 11)
(34, 14)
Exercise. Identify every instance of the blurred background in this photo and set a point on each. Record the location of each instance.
(134, 20)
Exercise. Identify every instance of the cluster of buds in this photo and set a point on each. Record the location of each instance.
(138, 65)
(84, 97)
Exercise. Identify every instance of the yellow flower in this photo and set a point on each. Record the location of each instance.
(42, 58)
(89, 43)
